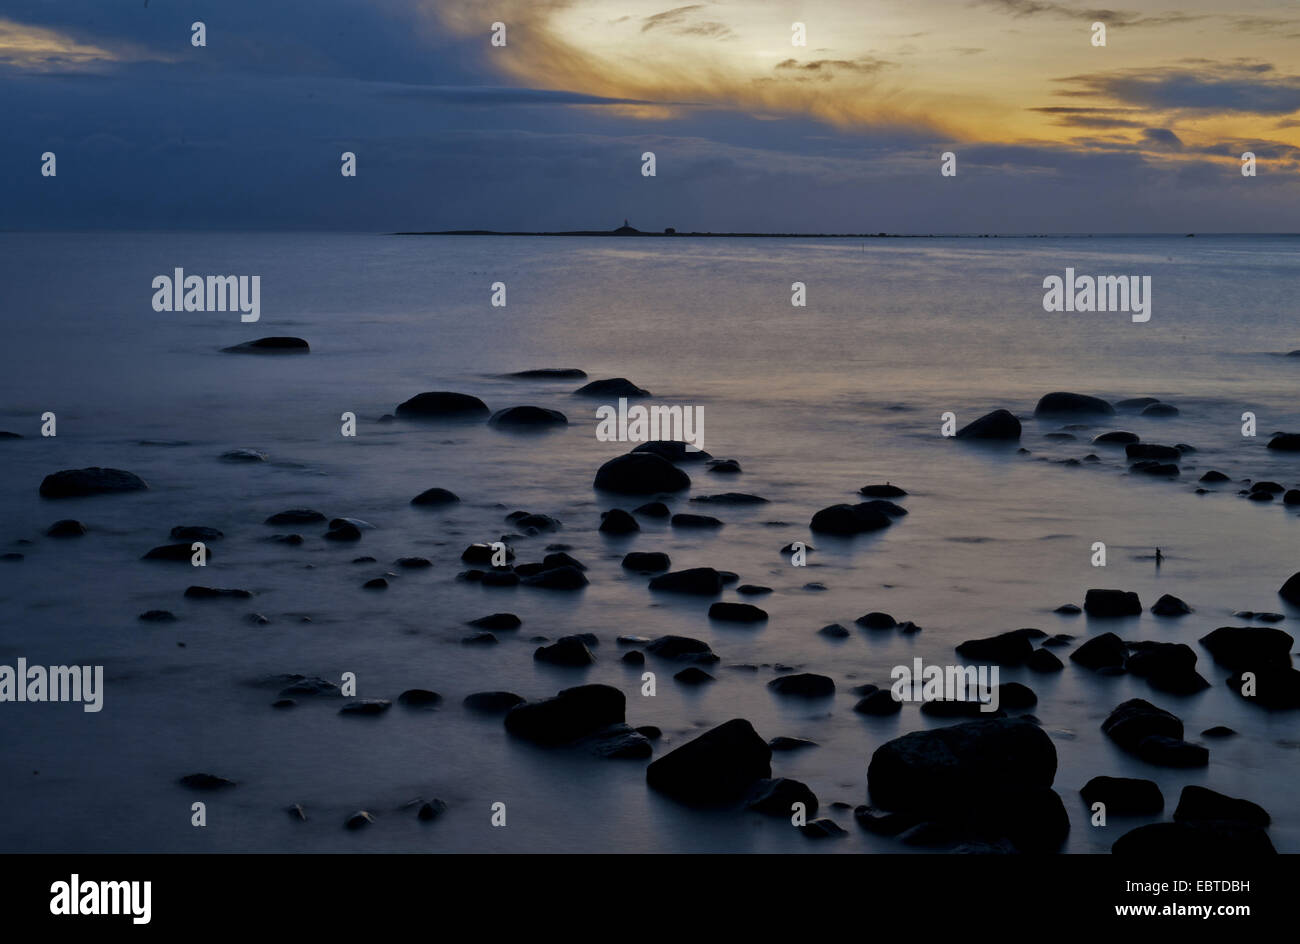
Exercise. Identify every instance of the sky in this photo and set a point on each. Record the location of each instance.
(1051, 132)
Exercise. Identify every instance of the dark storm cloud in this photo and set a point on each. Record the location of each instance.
(1245, 89)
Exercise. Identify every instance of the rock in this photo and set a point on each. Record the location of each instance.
(804, 685)
(296, 516)
(366, 707)
(1124, 796)
(572, 714)
(1170, 752)
(1169, 605)
(1213, 476)
(1151, 451)
(557, 578)
(1292, 497)
(66, 528)
(1000, 424)
(1259, 497)
(958, 708)
(273, 345)
(849, 519)
(633, 657)
(1276, 688)
(823, 829)
(497, 621)
(430, 810)
(682, 649)
(834, 630)
(435, 496)
(731, 498)
(1151, 467)
(1044, 660)
(216, 593)
(346, 531)
(440, 405)
(1109, 604)
(620, 742)
(1054, 403)
(1116, 437)
(1160, 409)
(1285, 442)
(182, 553)
(613, 387)
(617, 521)
(737, 613)
(875, 620)
(243, 455)
(419, 698)
(883, 822)
(1011, 648)
(695, 521)
(529, 417)
(1015, 696)
(693, 675)
(483, 553)
(157, 616)
(414, 563)
(879, 703)
(359, 820)
(1106, 651)
(673, 450)
(1199, 804)
(1249, 647)
(77, 483)
(1194, 841)
(640, 473)
(195, 533)
(480, 639)
(550, 373)
(1273, 487)
(882, 491)
(719, 766)
(500, 578)
(1135, 720)
(307, 685)
(790, 743)
(567, 650)
(703, 581)
(627, 639)
(1136, 403)
(205, 782)
(1218, 731)
(1068, 609)
(892, 509)
(655, 509)
(1169, 667)
(375, 583)
(1290, 591)
(7, 434)
(724, 466)
(492, 702)
(647, 561)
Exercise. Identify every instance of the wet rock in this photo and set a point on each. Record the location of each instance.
(557, 578)
(673, 450)
(753, 590)
(1152, 467)
(892, 509)
(693, 675)
(271, 345)
(876, 620)
(619, 742)
(176, 553)
(834, 630)
(480, 639)
(803, 685)
(613, 387)
(1136, 403)
(1073, 403)
(1124, 796)
(1016, 696)
(1160, 409)
(720, 766)
(1116, 437)
(435, 496)
(568, 651)
(724, 466)
(572, 714)
(527, 417)
(495, 703)
(1000, 424)
(1151, 451)
(959, 708)
(1194, 841)
(1044, 660)
(695, 521)
(1167, 666)
(737, 613)
(1213, 476)
(204, 781)
(731, 498)
(1135, 720)
(640, 473)
(1290, 591)
(442, 405)
(647, 561)
(883, 822)
(682, 649)
(790, 743)
(1106, 651)
(66, 528)
(617, 521)
(1169, 605)
(1170, 752)
(430, 810)
(1272, 487)
(483, 553)
(550, 373)
(1068, 609)
(655, 509)
(216, 593)
(497, 621)
(1292, 497)
(375, 583)
(77, 483)
(1011, 648)
(157, 616)
(366, 707)
(823, 829)
(1274, 687)
(633, 657)
(296, 516)
(703, 581)
(882, 491)
(1109, 604)
(1285, 442)
(1218, 731)
(649, 731)
(306, 685)
(878, 703)
(419, 698)
(414, 563)
(359, 820)
(849, 519)
(1249, 647)
(345, 531)
(1199, 804)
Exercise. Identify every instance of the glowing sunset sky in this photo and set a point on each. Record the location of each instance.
(1052, 133)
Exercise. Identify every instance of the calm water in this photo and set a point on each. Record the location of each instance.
(814, 402)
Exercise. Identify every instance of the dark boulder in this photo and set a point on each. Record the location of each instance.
(550, 373)
(1167, 666)
(569, 651)
(804, 685)
(1000, 424)
(497, 621)
(1161, 409)
(693, 675)
(1124, 796)
(1110, 604)
(495, 703)
(572, 714)
(1172, 752)
(1213, 476)
(1151, 451)
(273, 345)
(557, 578)
(778, 797)
(704, 581)
(654, 509)
(695, 521)
(528, 417)
(878, 703)
(435, 496)
(718, 767)
(882, 491)
(849, 519)
(673, 450)
(1169, 605)
(647, 561)
(682, 649)
(1194, 841)
(737, 613)
(216, 593)
(1249, 647)
(1055, 403)
(613, 387)
(176, 553)
(77, 483)
(1276, 688)
(1290, 591)
(442, 404)
(1199, 804)
(66, 528)
(1011, 648)
(419, 698)
(296, 516)
(1044, 660)
(617, 521)
(640, 473)
(731, 498)
(1285, 442)
(1118, 437)
(1135, 720)
(876, 620)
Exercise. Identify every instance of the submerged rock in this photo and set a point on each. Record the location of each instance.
(673, 450)
(703, 581)
(777, 797)
(574, 713)
(550, 373)
(271, 345)
(640, 473)
(612, 387)
(1198, 841)
(216, 593)
(682, 649)
(737, 613)
(719, 766)
(66, 528)
(205, 781)
(1249, 647)
(296, 516)
(442, 404)
(1198, 803)
(804, 685)
(647, 561)
(532, 417)
(435, 496)
(1285, 442)
(1000, 424)
(1169, 605)
(1072, 403)
(1011, 648)
(849, 519)
(1124, 796)
(617, 521)
(1109, 604)
(492, 702)
(568, 651)
(77, 483)
(882, 491)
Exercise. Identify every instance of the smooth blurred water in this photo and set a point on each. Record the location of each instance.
(814, 402)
